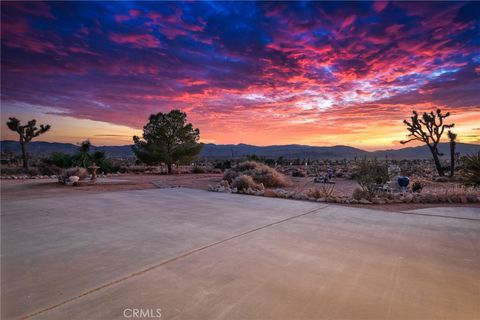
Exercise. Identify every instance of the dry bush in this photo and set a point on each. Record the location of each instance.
(230, 175)
(298, 173)
(360, 193)
(82, 173)
(243, 182)
(248, 165)
(324, 190)
(260, 173)
(269, 177)
(417, 186)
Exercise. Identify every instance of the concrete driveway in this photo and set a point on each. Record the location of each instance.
(200, 255)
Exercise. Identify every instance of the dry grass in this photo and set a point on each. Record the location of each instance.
(259, 172)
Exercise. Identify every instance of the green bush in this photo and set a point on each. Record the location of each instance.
(371, 176)
(472, 167)
(80, 159)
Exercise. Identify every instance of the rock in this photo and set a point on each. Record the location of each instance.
(321, 200)
(353, 201)
(441, 179)
(408, 198)
(74, 179)
(364, 201)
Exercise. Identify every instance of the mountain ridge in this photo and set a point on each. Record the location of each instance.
(225, 151)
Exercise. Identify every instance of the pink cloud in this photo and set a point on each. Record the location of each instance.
(379, 6)
(136, 40)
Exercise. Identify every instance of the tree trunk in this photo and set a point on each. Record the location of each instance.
(169, 168)
(24, 156)
(438, 165)
(452, 158)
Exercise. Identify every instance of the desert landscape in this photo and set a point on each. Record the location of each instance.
(240, 160)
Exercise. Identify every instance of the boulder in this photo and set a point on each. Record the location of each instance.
(73, 179)
(408, 198)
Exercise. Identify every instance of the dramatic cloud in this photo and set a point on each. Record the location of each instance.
(261, 73)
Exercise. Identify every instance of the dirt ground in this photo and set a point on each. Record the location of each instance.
(32, 189)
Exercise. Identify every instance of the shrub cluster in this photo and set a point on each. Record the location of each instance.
(244, 182)
(259, 172)
(371, 176)
(79, 159)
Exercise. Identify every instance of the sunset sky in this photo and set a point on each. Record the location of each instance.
(317, 73)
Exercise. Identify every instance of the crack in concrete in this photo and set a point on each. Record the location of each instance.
(164, 262)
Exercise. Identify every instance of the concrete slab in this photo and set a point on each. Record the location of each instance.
(220, 256)
(454, 212)
(56, 248)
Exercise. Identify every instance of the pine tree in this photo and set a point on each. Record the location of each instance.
(168, 138)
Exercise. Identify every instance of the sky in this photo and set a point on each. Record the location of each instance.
(263, 73)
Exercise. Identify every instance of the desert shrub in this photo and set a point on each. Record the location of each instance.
(82, 173)
(243, 182)
(230, 175)
(49, 170)
(223, 165)
(216, 170)
(247, 165)
(417, 186)
(298, 173)
(324, 191)
(60, 160)
(32, 172)
(260, 173)
(472, 168)
(13, 171)
(371, 176)
(81, 159)
(269, 177)
(198, 169)
(359, 193)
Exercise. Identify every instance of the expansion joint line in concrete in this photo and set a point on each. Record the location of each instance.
(437, 215)
(164, 262)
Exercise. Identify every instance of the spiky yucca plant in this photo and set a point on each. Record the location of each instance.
(472, 166)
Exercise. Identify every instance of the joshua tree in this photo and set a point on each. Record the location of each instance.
(429, 130)
(27, 133)
(167, 138)
(453, 137)
(83, 152)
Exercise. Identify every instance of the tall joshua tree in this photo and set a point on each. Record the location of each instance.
(428, 129)
(169, 139)
(27, 133)
(453, 143)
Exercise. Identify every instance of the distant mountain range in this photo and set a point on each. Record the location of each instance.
(225, 151)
